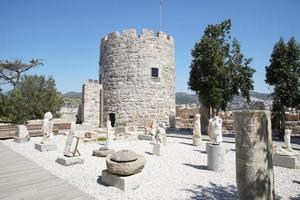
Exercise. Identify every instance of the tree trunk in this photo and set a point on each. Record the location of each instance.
(282, 123)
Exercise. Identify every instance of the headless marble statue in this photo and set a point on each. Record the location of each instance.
(215, 130)
(47, 128)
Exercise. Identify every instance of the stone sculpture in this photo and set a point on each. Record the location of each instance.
(47, 128)
(288, 151)
(151, 130)
(46, 144)
(253, 143)
(124, 170)
(215, 130)
(22, 134)
(197, 138)
(109, 134)
(160, 136)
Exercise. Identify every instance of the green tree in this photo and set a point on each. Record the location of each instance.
(283, 74)
(219, 70)
(34, 96)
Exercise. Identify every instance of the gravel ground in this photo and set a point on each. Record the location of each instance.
(180, 173)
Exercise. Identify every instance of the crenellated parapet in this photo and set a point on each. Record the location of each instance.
(131, 34)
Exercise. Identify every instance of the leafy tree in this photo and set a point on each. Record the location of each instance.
(10, 71)
(33, 97)
(284, 74)
(219, 70)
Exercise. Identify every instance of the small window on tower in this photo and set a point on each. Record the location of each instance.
(154, 72)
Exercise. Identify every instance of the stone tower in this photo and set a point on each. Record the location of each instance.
(138, 77)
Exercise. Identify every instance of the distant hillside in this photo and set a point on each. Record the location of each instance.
(184, 98)
(73, 94)
(238, 102)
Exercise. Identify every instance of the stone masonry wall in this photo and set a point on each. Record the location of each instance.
(91, 99)
(130, 92)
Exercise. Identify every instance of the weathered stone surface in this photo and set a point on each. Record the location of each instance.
(215, 156)
(21, 140)
(67, 161)
(197, 126)
(254, 165)
(157, 149)
(45, 147)
(103, 152)
(145, 137)
(47, 128)
(285, 161)
(68, 145)
(131, 93)
(22, 134)
(125, 168)
(124, 183)
(124, 156)
(92, 95)
(197, 141)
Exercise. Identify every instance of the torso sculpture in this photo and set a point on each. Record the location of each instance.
(197, 126)
(47, 127)
(109, 135)
(160, 136)
(151, 130)
(215, 129)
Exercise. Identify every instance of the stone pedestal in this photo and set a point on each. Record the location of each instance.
(157, 149)
(123, 182)
(67, 161)
(45, 147)
(197, 141)
(145, 137)
(215, 157)
(254, 165)
(285, 161)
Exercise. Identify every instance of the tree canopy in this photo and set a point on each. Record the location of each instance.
(10, 71)
(32, 97)
(219, 70)
(283, 74)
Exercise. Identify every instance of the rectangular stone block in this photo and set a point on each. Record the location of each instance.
(285, 161)
(123, 182)
(67, 161)
(157, 149)
(145, 137)
(45, 147)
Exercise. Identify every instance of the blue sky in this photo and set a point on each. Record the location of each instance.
(66, 33)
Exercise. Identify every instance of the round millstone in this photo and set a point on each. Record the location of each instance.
(125, 168)
(102, 153)
(103, 148)
(124, 156)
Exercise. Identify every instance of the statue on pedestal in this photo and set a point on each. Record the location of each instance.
(47, 128)
(215, 129)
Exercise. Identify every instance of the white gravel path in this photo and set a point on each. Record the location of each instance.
(178, 174)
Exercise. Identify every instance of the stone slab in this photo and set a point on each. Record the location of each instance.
(123, 182)
(67, 161)
(21, 140)
(215, 156)
(285, 161)
(146, 137)
(45, 147)
(157, 149)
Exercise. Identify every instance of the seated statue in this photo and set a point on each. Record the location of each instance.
(215, 129)
(160, 136)
(47, 128)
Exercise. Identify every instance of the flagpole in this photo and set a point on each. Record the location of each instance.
(160, 24)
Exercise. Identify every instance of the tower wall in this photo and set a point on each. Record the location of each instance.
(130, 91)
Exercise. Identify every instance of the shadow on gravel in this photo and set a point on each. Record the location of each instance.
(99, 181)
(295, 198)
(202, 167)
(149, 153)
(214, 191)
(185, 143)
(200, 151)
(294, 181)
